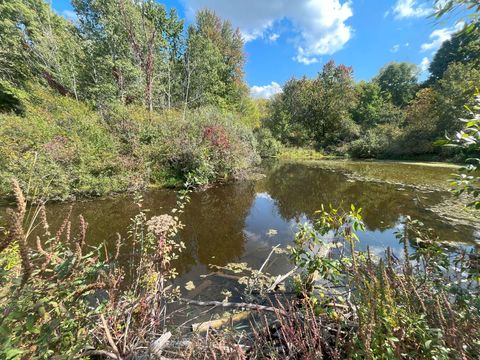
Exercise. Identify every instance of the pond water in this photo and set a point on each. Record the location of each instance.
(240, 222)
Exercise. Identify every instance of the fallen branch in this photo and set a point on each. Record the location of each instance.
(281, 278)
(268, 258)
(109, 337)
(157, 346)
(236, 305)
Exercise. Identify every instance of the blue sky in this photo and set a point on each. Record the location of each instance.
(287, 38)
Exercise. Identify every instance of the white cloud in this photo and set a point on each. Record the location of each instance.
(265, 92)
(439, 36)
(319, 24)
(273, 37)
(303, 58)
(424, 64)
(395, 48)
(410, 8)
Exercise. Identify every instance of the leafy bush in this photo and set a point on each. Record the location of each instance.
(205, 144)
(468, 181)
(267, 146)
(66, 149)
(62, 147)
(376, 142)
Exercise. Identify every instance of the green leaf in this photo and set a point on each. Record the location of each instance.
(12, 354)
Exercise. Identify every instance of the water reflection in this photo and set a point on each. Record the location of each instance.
(240, 222)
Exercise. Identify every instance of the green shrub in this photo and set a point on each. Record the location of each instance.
(267, 145)
(63, 148)
(206, 143)
(378, 142)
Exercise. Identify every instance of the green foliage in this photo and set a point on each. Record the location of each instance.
(285, 123)
(423, 307)
(373, 109)
(420, 130)
(65, 149)
(468, 181)
(378, 142)
(121, 51)
(309, 250)
(267, 145)
(293, 153)
(398, 81)
(207, 143)
(467, 10)
(131, 68)
(389, 117)
(214, 63)
(315, 111)
(61, 147)
(455, 91)
(463, 47)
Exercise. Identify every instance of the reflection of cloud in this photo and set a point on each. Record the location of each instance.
(264, 196)
(251, 235)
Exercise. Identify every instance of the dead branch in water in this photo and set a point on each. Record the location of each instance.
(236, 305)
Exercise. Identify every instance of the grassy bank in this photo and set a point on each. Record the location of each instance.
(294, 153)
(64, 149)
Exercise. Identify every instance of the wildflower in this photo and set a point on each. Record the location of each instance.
(160, 225)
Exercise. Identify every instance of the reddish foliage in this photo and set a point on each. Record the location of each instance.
(217, 136)
(60, 148)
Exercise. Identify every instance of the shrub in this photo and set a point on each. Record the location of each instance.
(62, 147)
(376, 142)
(207, 144)
(267, 145)
(65, 148)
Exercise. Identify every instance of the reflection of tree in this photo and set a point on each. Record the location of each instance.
(300, 188)
(215, 221)
(215, 218)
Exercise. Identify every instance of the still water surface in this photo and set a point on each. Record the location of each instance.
(240, 222)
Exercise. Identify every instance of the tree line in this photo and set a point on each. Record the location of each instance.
(393, 115)
(121, 97)
(122, 51)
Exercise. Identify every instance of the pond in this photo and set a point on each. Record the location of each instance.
(240, 222)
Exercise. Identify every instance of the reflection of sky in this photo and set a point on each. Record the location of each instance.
(264, 217)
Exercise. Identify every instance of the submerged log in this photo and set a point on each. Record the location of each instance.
(218, 323)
